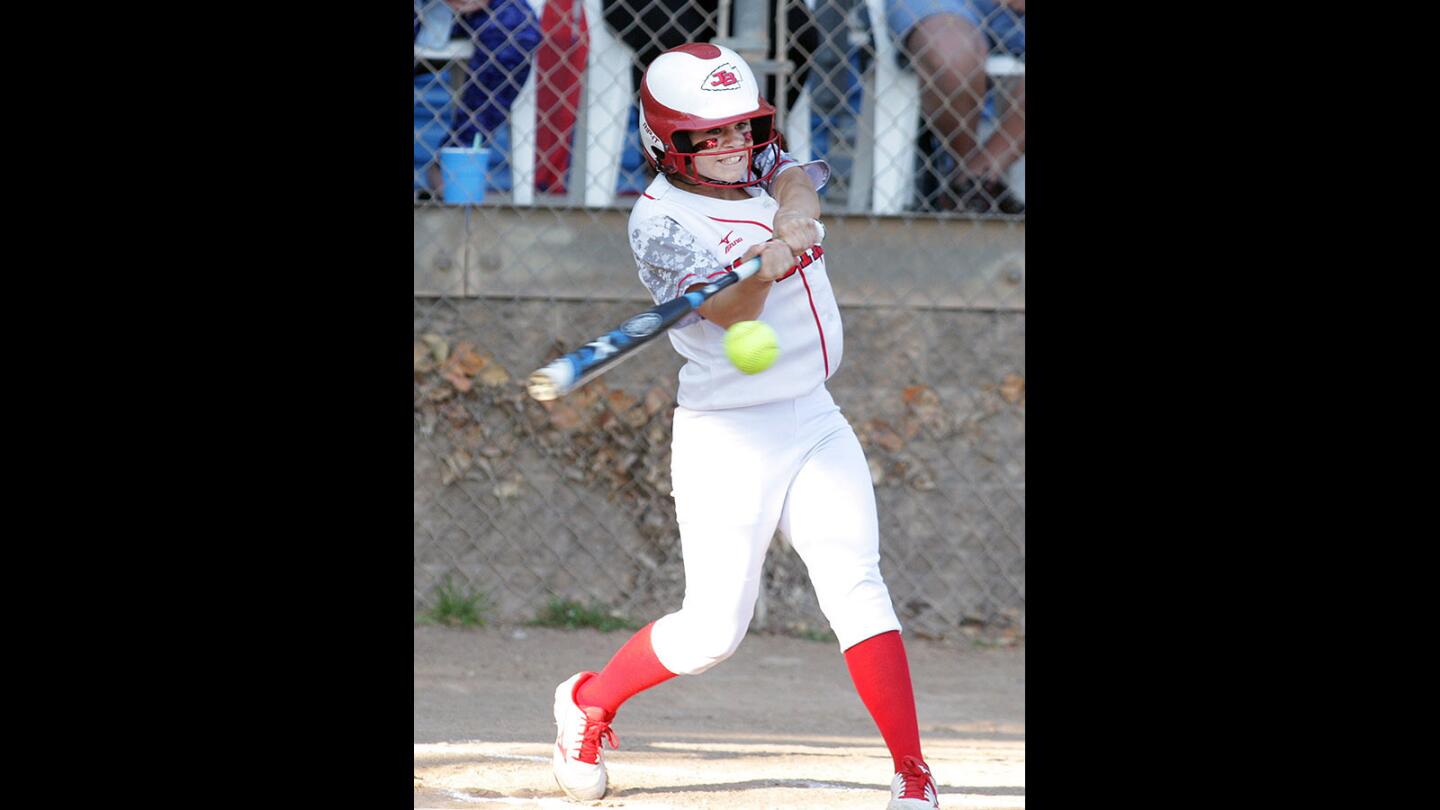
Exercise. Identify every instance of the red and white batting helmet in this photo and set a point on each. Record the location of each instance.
(695, 87)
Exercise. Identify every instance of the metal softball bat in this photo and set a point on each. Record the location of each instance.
(570, 371)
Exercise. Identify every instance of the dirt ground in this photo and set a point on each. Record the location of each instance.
(778, 725)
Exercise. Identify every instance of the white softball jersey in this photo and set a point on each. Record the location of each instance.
(756, 453)
(681, 239)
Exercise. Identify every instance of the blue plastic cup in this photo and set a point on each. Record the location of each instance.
(462, 171)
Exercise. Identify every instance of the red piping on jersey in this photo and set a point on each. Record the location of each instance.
(646, 196)
(823, 351)
(767, 228)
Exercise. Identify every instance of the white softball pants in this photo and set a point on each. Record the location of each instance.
(738, 474)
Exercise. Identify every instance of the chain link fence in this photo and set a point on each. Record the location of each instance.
(924, 131)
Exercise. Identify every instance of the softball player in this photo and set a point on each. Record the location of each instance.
(774, 443)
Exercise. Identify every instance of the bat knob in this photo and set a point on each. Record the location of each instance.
(542, 387)
(551, 381)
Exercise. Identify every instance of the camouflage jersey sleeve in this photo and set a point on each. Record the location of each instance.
(670, 259)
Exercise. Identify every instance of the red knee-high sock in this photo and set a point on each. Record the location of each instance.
(633, 670)
(881, 673)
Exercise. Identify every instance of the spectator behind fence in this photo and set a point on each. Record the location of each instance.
(947, 42)
(506, 34)
(835, 89)
(651, 27)
(434, 21)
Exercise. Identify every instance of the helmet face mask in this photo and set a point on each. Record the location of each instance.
(695, 88)
(691, 147)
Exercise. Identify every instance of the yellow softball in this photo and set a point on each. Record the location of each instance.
(751, 346)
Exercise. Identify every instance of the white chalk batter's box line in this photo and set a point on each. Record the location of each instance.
(549, 803)
(977, 800)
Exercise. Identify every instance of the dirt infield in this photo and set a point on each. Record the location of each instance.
(778, 725)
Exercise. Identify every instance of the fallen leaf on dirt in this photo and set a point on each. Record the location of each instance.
(909, 427)
(936, 422)
(1012, 388)
(655, 399)
(627, 408)
(494, 375)
(922, 482)
(885, 436)
(590, 393)
(438, 346)
(466, 359)
(473, 435)
(620, 400)
(929, 414)
(564, 417)
(455, 466)
(455, 413)
(457, 379)
(920, 396)
(423, 360)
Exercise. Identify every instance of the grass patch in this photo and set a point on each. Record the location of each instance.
(458, 606)
(571, 615)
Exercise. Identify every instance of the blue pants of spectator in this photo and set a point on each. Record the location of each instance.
(1004, 28)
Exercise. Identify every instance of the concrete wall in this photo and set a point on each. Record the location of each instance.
(528, 502)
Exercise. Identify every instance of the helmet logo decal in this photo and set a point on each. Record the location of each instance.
(648, 135)
(724, 77)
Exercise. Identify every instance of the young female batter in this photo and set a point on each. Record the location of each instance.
(774, 443)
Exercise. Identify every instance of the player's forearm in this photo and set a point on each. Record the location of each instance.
(799, 210)
(741, 302)
(796, 195)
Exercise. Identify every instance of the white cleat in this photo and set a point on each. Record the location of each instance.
(578, 760)
(913, 788)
